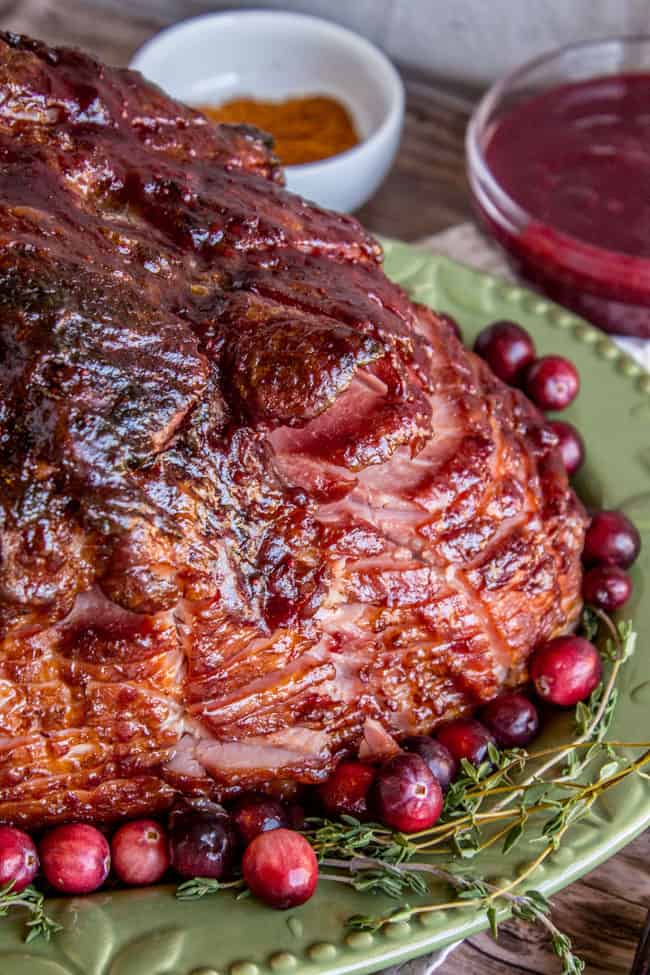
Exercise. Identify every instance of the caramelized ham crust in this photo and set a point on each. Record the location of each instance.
(257, 509)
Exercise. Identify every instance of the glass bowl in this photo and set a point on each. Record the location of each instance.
(608, 287)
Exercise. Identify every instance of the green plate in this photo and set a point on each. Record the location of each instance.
(148, 932)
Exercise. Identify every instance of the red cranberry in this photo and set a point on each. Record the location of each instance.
(552, 382)
(257, 814)
(570, 444)
(512, 719)
(280, 868)
(507, 348)
(140, 852)
(566, 670)
(75, 859)
(202, 842)
(466, 738)
(441, 763)
(405, 795)
(611, 539)
(18, 858)
(453, 324)
(607, 587)
(346, 790)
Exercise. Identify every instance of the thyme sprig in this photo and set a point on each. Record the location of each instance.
(594, 718)
(531, 906)
(198, 887)
(40, 924)
(347, 837)
(396, 874)
(514, 795)
(510, 797)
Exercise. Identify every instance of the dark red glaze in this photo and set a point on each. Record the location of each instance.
(552, 382)
(242, 472)
(295, 815)
(346, 790)
(512, 719)
(280, 868)
(18, 859)
(466, 738)
(611, 539)
(202, 843)
(256, 814)
(405, 795)
(452, 323)
(75, 859)
(441, 763)
(606, 586)
(286, 790)
(507, 348)
(566, 670)
(570, 444)
(140, 852)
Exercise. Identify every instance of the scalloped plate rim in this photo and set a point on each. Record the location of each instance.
(484, 292)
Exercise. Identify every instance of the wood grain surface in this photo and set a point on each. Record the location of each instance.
(425, 192)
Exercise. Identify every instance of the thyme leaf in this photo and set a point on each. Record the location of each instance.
(513, 797)
(197, 887)
(39, 925)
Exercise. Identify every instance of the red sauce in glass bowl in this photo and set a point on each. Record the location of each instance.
(576, 159)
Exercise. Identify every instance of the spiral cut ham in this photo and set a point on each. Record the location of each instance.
(257, 508)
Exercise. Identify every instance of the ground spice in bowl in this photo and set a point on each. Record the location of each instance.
(305, 129)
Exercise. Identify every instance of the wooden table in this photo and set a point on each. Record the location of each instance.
(425, 192)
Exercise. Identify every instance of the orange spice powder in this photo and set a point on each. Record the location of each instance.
(305, 129)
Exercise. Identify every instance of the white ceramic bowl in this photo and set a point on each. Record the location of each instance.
(275, 55)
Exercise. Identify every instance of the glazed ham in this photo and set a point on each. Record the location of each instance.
(257, 509)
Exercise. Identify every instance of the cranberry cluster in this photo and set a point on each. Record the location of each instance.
(551, 382)
(612, 543)
(260, 835)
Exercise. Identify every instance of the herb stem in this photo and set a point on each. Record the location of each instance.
(335, 876)
(531, 756)
(40, 924)
(588, 734)
(597, 787)
(370, 858)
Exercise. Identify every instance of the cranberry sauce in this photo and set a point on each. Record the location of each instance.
(577, 160)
